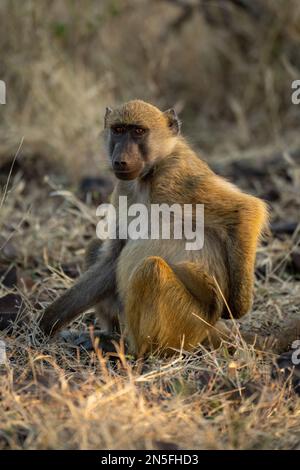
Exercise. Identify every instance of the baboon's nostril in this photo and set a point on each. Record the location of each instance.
(120, 165)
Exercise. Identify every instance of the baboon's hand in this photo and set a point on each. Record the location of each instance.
(67, 307)
(52, 319)
(94, 285)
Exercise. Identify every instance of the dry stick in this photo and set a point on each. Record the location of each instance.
(228, 308)
(234, 320)
(5, 193)
(210, 325)
(16, 228)
(225, 301)
(231, 316)
(10, 172)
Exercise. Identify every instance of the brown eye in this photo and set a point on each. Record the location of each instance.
(118, 129)
(139, 131)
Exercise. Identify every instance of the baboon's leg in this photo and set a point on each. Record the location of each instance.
(276, 342)
(170, 307)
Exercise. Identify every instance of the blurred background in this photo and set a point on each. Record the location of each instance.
(226, 66)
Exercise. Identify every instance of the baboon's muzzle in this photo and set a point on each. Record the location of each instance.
(127, 163)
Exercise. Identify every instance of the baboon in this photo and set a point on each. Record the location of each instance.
(169, 297)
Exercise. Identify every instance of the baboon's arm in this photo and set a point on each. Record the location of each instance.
(94, 285)
(241, 252)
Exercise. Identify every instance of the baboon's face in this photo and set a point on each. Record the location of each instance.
(139, 134)
(128, 150)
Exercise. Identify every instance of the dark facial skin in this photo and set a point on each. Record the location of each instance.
(128, 150)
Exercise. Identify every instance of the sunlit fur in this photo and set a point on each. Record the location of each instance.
(172, 297)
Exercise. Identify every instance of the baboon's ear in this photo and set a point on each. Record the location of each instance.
(173, 120)
(108, 111)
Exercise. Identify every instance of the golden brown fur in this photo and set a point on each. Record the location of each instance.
(138, 112)
(165, 286)
(172, 297)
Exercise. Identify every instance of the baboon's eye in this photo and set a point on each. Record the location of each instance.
(139, 131)
(118, 129)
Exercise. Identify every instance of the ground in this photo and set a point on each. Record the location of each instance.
(58, 395)
(227, 68)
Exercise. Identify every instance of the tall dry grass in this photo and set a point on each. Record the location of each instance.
(227, 70)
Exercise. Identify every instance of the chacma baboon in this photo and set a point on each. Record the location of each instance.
(171, 297)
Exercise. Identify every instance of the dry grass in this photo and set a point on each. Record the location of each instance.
(57, 395)
(54, 398)
(232, 86)
(227, 72)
